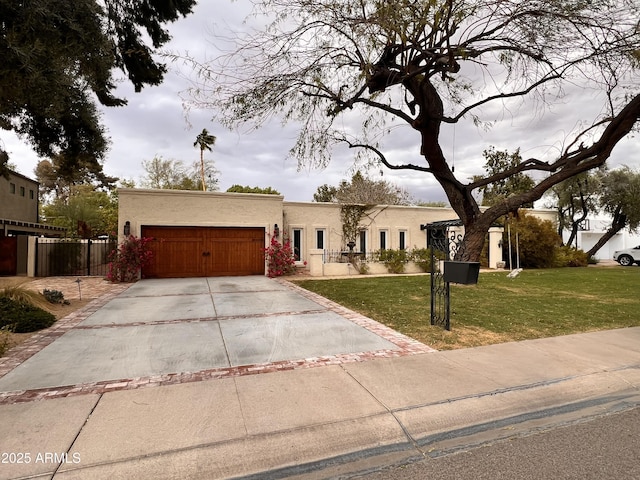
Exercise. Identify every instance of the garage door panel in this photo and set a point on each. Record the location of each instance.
(237, 257)
(181, 257)
(176, 252)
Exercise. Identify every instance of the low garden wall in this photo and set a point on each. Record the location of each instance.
(418, 260)
(319, 267)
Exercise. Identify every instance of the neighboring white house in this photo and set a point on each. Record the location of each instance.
(212, 233)
(594, 228)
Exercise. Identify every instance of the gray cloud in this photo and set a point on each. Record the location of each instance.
(154, 123)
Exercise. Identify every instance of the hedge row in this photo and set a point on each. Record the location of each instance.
(23, 318)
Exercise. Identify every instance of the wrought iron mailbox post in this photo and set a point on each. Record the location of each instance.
(445, 245)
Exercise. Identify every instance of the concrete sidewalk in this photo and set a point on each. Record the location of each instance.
(321, 422)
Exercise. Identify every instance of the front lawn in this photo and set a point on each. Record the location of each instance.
(537, 303)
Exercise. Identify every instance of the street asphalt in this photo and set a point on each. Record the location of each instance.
(250, 377)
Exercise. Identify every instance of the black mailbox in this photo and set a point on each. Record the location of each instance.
(461, 272)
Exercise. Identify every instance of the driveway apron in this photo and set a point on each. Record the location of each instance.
(176, 326)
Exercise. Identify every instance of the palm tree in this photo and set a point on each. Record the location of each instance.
(205, 141)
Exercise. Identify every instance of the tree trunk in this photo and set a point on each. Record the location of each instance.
(619, 222)
(462, 202)
(204, 185)
(474, 238)
(576, 223)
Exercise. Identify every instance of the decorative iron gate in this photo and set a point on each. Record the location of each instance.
(445, 244)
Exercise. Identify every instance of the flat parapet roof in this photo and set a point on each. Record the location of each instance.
(30, 227)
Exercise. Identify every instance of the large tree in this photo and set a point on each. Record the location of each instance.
(86, 212)
(248, 189)
(204, 141)
(575, 199)
(363, 190)
(174, 175)
(58, 55)
(325, 193)
(422, 64)
(619, 196)
(498, 161)
(57, 179)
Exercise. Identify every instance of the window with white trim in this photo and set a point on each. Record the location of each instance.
(383, 239)
(402, 241)
(297, 244)
(363, 241)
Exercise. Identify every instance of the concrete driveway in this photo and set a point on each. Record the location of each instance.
(224, 325)
(302, 423)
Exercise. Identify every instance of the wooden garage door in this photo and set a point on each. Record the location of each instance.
(204, 251)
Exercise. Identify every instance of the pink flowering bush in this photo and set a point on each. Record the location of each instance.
(280, 258)
(126, 262)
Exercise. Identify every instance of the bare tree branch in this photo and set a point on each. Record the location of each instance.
(416, 63)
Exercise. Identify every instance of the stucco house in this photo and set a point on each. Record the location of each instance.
(18, 204)
(594, 228)
(212, 233)
(19, 219)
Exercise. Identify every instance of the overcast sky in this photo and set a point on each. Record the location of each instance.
(153, 124)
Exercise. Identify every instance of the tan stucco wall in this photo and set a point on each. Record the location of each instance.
(393, 219)
(193, 208)
(311, 216)
(544, 214)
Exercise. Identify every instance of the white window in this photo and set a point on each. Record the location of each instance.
(402, 240)
(383, 239)
(297, 244)
(363, 241)
(320, 235)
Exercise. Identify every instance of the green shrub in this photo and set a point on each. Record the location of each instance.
(358, 261)
(537, 241)
(422, 258)
(360, 264)
(567, 256)
(22, 318)
(394, 260)
(54, 296)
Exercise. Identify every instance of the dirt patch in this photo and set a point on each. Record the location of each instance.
(13, 281)
(15, 339)
(61, 311)
(464, 337)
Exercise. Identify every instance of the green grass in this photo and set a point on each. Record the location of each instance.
(537, 303)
